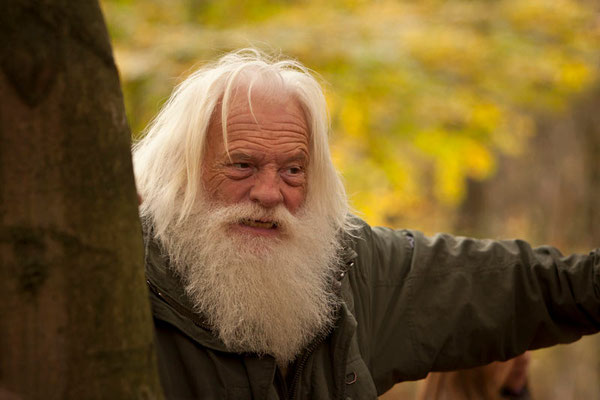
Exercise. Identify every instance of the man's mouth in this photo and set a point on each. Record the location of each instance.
(256, 223)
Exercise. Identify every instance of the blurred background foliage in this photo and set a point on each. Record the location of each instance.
(474, 116)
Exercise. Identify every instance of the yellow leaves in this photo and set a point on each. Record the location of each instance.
(454, 157)
(223, 13)
(423, 94)
(380, 188)
(354, 118)
(479, 163)
(552, 18)
(449, 186)
(448, 48)
(574, 76)
(485, 116)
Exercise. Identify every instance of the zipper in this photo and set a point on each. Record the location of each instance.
(300, 366)
(349, 264)
(178, 307)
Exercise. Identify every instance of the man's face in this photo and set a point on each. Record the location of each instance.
(268, 158)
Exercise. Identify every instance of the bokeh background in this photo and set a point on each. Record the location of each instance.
(476, 117)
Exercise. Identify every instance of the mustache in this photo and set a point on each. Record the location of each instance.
(250, 213)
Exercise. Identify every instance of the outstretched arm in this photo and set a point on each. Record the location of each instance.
(445, 302)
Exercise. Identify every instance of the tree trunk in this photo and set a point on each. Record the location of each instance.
(74, 317)
(588, 115)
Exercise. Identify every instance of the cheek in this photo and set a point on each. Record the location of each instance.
(221, 188)
(295, 197)
(231, 191)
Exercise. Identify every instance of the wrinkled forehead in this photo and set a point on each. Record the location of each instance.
(261, 111)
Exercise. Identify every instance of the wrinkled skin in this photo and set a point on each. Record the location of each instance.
(268, 156)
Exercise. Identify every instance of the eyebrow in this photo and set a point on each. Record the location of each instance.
(241, 156)
(300, 156)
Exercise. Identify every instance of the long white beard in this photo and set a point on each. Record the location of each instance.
(260, 294)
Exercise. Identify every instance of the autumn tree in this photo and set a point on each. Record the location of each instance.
(74, 317)
(424, 95)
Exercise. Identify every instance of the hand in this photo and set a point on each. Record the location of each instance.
(516, 379)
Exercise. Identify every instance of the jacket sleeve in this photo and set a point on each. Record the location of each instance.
(447, 302)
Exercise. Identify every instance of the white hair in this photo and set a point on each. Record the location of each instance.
(168, 159)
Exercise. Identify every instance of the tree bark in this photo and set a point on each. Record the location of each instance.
(589, 128)
(75, 322)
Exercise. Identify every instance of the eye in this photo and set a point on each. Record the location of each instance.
(239, 170)
(294, 175)
(241, 165)
(294, 170)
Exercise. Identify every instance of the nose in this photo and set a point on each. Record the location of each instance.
(266, 190)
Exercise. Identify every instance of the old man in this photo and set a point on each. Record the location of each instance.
(263, 284)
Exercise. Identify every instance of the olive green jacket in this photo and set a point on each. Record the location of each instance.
(412, 304)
